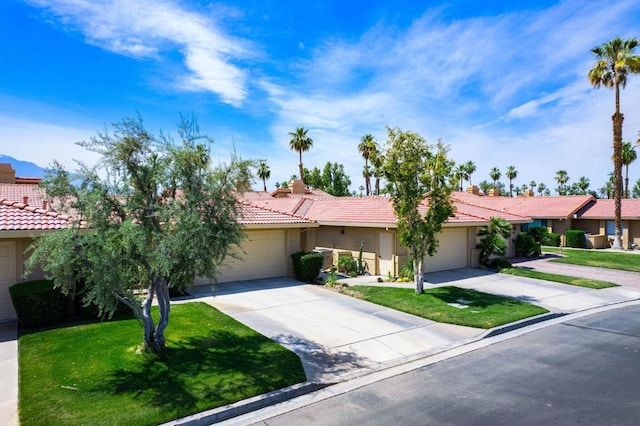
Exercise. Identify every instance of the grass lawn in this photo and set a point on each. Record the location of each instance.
(95, 374)
(483, 311)
(564, 279)
(601, 259)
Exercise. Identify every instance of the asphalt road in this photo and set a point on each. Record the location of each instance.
(584, 371)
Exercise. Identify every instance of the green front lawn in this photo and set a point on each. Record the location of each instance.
(95, 374)
(601, 259)
(483, 310)
(564, 279)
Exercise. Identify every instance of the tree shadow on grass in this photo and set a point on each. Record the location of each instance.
(205, 372)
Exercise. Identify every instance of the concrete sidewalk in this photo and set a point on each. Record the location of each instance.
(9, 369)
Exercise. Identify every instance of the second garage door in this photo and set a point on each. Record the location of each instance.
(265, 257)
(7, 278)
(452, 251)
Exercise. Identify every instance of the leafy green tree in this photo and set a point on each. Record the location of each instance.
(158, 217)
(615, 60)
(418, 182)
(300, 142)
(367, 148)
(264, 173)
(331, 179)
(469, 168)
(511, 174)
(495, 174)
(493, 240)
(562, 178)
(629, 155)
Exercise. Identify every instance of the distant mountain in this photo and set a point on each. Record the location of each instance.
(23, 168)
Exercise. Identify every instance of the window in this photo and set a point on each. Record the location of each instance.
(537, 222)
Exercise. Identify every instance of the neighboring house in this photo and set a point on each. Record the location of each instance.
(345, 223)
(559, 214)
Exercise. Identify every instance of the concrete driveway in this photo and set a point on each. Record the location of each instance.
(337, 336)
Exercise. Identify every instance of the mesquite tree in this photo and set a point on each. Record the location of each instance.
(152, 215)
(418, 180)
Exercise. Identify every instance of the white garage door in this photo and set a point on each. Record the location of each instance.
(452, 251)
(265, 257)
(7, 278)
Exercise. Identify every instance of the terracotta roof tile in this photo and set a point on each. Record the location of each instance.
(605, 209)
(534, 207)
(19, 217)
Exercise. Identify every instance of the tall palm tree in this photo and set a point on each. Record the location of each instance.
(300, 142)
(495, 174)
(460, 174)
(511, 174)
(615, 60)
(562, 177)
(366, 148)
(582, 185)
(629, 155)
(264, 173)
(532, 185)
(469, 168)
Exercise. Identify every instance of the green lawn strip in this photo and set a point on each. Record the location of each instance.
(564, 279)
(483, 311)
(95, 373)
(600, 259)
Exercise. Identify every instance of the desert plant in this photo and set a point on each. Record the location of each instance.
(493, 241)
(361, 265)
(406, 270)
(332, 277)
(347, 264)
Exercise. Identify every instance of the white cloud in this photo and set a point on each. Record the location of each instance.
(147, 28)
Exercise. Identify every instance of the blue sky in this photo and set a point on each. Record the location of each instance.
(502, 83)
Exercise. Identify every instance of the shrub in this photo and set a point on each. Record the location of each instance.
(500, 263)
(406, 270)
(538, 233)
(526, 245)
(551, 239)
(332, 277)
(38, 304)
(297, 264)
(311, 264)
(347, 264)
(575, 238)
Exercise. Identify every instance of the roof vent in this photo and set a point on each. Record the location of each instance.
(25, 200)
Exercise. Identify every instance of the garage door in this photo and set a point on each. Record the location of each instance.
(7, 278)
(452, 251)
(266, 257)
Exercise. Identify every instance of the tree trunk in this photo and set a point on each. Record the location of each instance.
(164, 305)
(626, 181)
(264, 183)
(417, 275)
(617, 119)
(147, 319)
(300, 165)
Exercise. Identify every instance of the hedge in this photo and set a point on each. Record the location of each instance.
(306, 266)
(38, 304)
(552, 239)
(575, 238)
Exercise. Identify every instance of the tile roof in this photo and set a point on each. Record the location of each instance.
(534, 207)
(16, 193)
(605, 209)
(16, 216)
(254, 215)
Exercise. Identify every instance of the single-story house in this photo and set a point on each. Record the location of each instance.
(560, 213)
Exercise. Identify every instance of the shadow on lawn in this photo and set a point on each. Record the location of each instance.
(475, 298)
(206, 372)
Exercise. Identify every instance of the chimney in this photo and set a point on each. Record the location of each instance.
(25, 200)
(473, 189)
(528, 193)
(7, 174)
(297, 186)
(493, 192)
(45, 205)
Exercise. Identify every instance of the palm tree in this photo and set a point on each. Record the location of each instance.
(264, 173)
(541, 188)
(614, 61)
(561, 178)
(460, 174)
(582, 185)
(469, 169)
(495, 174)
(629, 155)
(300, 142)
(511, 174)
(532, 185)
(485, 186)
(367, 147)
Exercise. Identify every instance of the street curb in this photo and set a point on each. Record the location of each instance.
(248, 405)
